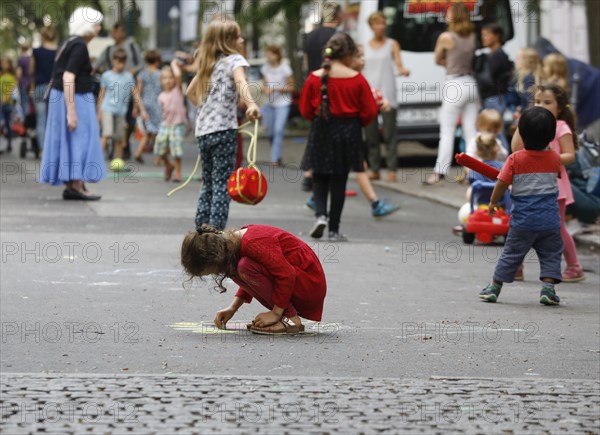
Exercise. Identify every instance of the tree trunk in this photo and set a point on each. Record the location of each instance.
(593, 18)
(292, 30)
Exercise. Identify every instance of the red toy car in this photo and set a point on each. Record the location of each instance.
(480, 224)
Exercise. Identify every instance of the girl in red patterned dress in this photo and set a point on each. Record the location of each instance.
(269, 264)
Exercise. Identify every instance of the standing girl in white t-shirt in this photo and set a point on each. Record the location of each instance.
(278, 85)
(215, 88)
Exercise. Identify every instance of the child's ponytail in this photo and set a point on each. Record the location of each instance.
(325, 111)
(339, 46)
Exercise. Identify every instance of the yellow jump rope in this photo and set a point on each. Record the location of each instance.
(250, 156)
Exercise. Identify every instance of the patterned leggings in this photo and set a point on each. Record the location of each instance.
(217, 152)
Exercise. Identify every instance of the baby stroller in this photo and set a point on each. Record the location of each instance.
(480, 225)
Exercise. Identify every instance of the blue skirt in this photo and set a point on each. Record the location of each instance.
(72, 155)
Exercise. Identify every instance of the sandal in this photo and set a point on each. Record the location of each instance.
(290, 328)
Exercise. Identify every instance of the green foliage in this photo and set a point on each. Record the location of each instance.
(22, 18)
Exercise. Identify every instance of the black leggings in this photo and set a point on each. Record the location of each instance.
(323, 184)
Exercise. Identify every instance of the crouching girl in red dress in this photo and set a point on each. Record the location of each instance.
(269, 264)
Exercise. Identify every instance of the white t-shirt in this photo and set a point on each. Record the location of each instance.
(277, 77)
(219, 110)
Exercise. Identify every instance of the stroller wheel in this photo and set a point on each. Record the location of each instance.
(36, 147)
(23, 149)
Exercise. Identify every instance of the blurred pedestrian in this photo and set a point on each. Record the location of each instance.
(528, 67)
(339, 101)
(454, 50)
(555, 70)
(149, 88)
(269, 264)
(501, 69)
(220, 79)
(72, 149)
(116, 91)
(315, 41)
(382, 58)
(174, 119)
(42, 63)
(134, 64)
(313, 47)
(8, 87)
(24, 76)
(278, 86)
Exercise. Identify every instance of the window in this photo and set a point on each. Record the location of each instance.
(416, 24)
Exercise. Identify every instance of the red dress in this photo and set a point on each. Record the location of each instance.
(291, 264)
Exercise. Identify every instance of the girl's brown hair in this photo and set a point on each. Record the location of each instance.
(276, 50)
(220, 39)
(562, 101)
(152, 57)
(339, 46)
(461, 20)
(209, 251)
(48, 34)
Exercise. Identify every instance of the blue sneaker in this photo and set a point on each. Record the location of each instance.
(490, 293)
(384, 208)
(549, 297)
(310, 203)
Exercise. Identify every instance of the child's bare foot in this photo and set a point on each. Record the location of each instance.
(285, 325)
(168, 171)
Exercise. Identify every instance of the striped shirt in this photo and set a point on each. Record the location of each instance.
(533, 175)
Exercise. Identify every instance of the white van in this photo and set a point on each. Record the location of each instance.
(416, 24)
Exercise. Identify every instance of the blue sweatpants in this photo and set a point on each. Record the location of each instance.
(548, 246)
(217, 151)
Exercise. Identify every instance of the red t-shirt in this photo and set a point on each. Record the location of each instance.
(291, 264)
(348, 98)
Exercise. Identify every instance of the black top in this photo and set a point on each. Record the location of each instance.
(501, 69)
(315, 44)
(44, 60)
(75, 59)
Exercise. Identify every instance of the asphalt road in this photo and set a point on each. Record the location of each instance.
(96, 288)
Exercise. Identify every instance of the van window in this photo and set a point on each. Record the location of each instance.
(416, 24)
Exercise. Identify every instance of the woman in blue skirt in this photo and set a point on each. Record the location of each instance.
(72, 149)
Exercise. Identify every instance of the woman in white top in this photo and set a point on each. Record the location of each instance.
(454, 50)
(278, 85)
(381, 55)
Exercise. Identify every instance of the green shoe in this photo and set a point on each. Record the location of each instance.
(549, 297)
(490, 293)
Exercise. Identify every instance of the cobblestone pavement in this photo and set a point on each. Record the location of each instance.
(153, 404)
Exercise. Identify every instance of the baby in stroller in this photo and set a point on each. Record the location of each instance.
(481, 187)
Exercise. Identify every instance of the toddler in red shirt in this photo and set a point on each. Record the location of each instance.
(269, 264)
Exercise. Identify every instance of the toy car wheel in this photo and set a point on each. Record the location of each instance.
(23, 149)
(468, 238)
